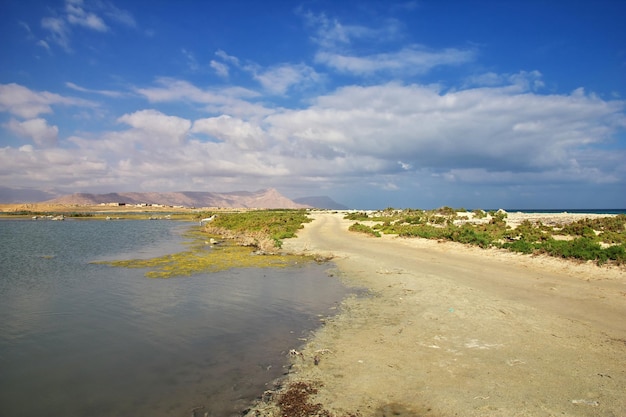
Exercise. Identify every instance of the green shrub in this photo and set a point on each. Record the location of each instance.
(610, 224)
(519, 246)
(361, 228)
(275, 224)
(414, 219)
(446, 211)
(438, 220)
(497, 218)
(27, 213)
(616, 253)
(582, 248)
(471, 236)
(357, 216)
(529, 232)
(479, 214)
(423, 231)
(612, 237)
(527, 238)
(75, 214)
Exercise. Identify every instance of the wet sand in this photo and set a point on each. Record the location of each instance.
(451, 330)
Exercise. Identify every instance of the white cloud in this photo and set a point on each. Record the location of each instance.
(340, 46)
(26, 27)
(77, 15)
(230, 100)
(410, 60)
(59, 32)
(23, 102)
(161, 129)
(331, 34)
(192, 62)
(276, 79)
(493, 129)
(242, 134)
(107, 93)
(36, 129)
(123, 17)
(280, 78)
(32, 167)
(233, 60)
(43, 44)
(223, 68)
(220, 68)
(498, 129)
(376, 136)
(171, 89)
(85, 15)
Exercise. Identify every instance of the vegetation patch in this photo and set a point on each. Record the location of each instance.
(212, 259)
(359, 215)
(362, 228)
(245, 240)
(600, 239)
(264, 229)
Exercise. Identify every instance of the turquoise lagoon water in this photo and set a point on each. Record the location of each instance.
(82, 339)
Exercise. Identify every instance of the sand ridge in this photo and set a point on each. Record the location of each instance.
(448, 330)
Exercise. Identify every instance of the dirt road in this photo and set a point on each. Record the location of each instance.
(454, 331)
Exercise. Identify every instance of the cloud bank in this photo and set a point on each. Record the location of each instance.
(292, 125)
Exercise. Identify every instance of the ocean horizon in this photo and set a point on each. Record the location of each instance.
(572, 211)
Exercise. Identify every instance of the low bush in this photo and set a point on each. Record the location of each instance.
(447, 211)
(261, 225)
(469, 235)
(479, 214)
(530, 232)
(362, 228)
(583, 248)
(519, 246)
(361, 215)
(529, 237)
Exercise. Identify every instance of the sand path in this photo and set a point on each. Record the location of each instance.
(455, 331)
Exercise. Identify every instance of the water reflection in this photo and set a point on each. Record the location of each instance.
(81, 339)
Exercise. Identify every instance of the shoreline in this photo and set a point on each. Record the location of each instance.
(451, 329)
(7, 208)
(456, 330)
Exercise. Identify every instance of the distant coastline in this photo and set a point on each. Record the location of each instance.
(572, 211)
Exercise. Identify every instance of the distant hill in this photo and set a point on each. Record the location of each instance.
(268, 199)
(321, 202)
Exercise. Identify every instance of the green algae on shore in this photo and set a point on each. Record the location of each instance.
(204, 256)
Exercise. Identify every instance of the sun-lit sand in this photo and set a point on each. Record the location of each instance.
(454, 330)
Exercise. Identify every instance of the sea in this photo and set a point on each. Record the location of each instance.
(572, 211)
(81, 339)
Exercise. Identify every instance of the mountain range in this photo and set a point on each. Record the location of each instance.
(268, 199)
(324, 202)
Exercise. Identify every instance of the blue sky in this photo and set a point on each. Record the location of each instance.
(514, 104)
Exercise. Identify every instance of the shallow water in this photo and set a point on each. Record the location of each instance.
(83, 339)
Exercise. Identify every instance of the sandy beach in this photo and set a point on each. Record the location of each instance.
(451, 330)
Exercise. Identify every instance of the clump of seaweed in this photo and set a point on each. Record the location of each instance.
(295, 401)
